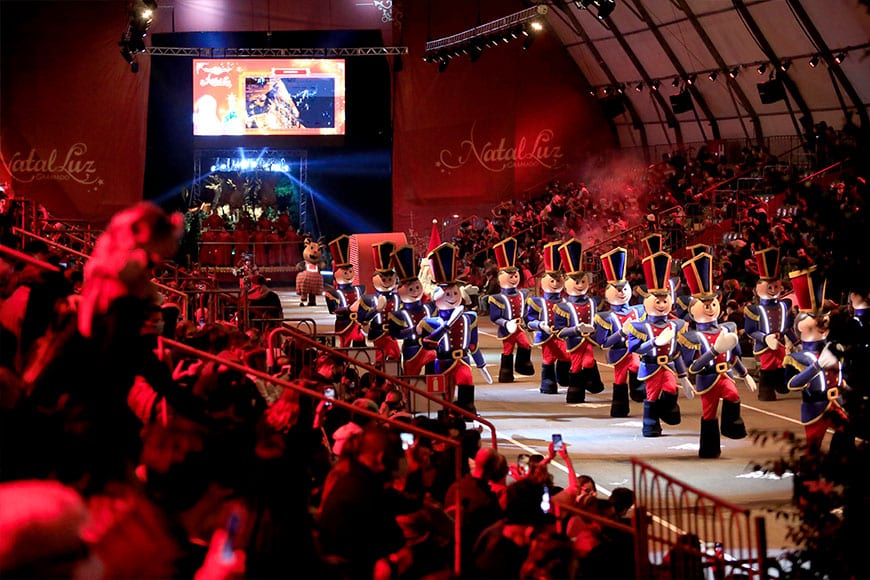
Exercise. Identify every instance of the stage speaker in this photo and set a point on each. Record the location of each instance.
(361, 254)
(612, 106)
(681, 102)
(771, 91)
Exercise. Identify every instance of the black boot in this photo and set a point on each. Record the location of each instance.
(651, 425)
(592, 380)
(506, 370)
(312, 300)
(636, 388)
(576, 392)
(563, 369)
(668, 408)
(619, 406)
(465, 399)
(548, 380)
(777, 379)
(709, 448)
(524, 364)
(732, 422)
(766, 385)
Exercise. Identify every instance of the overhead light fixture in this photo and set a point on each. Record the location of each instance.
(655, 85)
(713, 75)
(675, 82)
(785, 65)
(592, 92)
(691, 80)
(525, 22)
(734, 72)
(762, 68)
(603, 8)
(442, 64)
(140, 16)
(620, 89)
(814, 62)
(840, 57)
(638, 87)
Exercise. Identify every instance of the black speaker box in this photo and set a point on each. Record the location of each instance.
(771, 91)
(681, 102)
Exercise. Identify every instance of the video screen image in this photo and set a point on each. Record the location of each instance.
(269, 97)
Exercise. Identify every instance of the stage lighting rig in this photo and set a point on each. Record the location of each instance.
(603, 8)
(140, 16)
(523, 24)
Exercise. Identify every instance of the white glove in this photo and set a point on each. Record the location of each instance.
(544, 327)
(665, 337)
(827, 359)
(585, 328)
(687, 387)
(725, 342)
(486, 376)
(511, 326)
(750, 382)
(381, 303)
(771, 342)
(355, 306)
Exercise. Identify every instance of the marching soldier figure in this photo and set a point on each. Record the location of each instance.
(655, 340)
(555, 362)
(573, 323)
(344, 299)
(768, 322)
(407, 322)
(713, 356)
(507, 310)
(609, 334)
(454, 334)
(376, 308)
(814, 370)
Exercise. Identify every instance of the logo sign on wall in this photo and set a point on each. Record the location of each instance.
(72, 165)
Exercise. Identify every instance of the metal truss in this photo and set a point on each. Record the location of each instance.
(489, 28)
(216, 52)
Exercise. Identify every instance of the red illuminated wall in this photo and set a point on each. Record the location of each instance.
(479, 133)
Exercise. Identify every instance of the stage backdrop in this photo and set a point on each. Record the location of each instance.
(482, 132)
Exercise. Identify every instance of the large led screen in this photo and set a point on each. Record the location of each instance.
(268, 97)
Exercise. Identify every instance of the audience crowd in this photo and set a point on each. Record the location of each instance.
(152, 462)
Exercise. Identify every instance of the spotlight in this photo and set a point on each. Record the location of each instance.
(528, 42)
(675, 82)
(734, 72)
(655, 85)
(536, 25)
(638, 87)
(442, 65)
(691, 80)
(713, 75)
(603, 8)
(762, 68)
(474, 52)
(814, 62)
(840, 57)
(606, 91)
(785, 65)
(592, 92)
(620, 89)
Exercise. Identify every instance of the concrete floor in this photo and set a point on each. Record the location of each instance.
(602, 446)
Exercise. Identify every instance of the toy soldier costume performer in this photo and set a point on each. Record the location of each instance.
(609, 334)
(768, 322)
(573, 324)
(376, 308)
(343, 300)
(507, 310)
(814, 370)
(713, 357)
(454, 334)
(555, 362)
(406, 323)
(655, 340)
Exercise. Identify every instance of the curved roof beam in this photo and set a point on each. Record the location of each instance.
(813, 32)
(635, 118)
(669, 115)
(771, 55)
(696, 94)
(733, 84)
